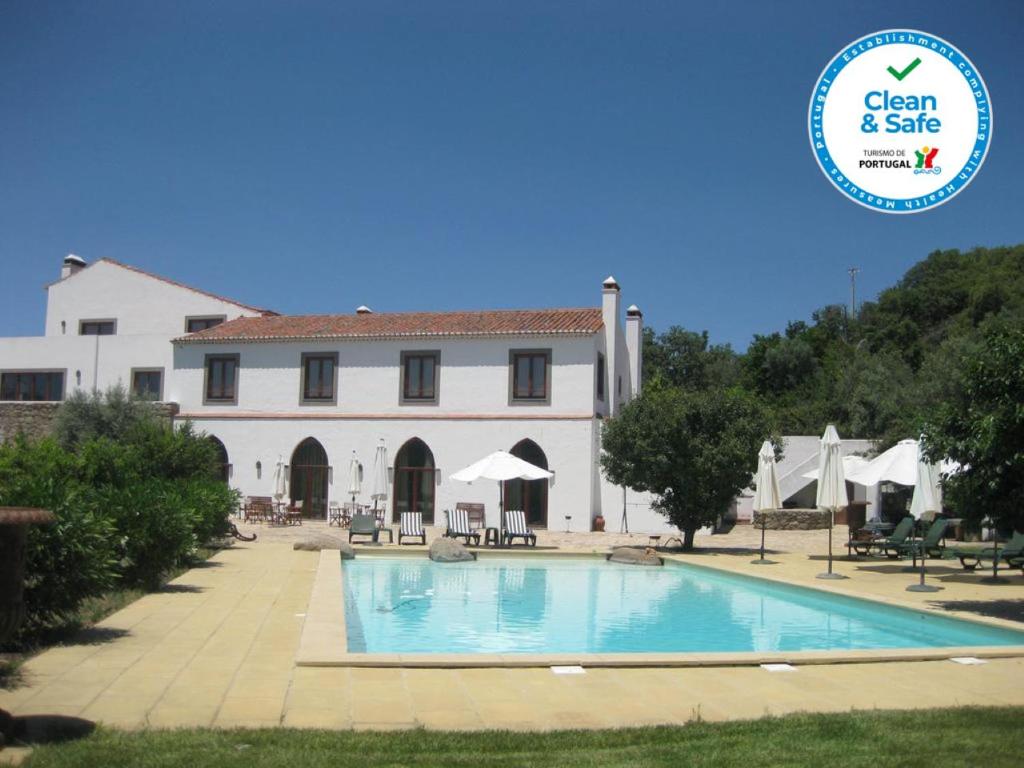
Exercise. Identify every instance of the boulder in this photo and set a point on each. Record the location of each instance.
(635, 556)
(447, 550)
(318, 541)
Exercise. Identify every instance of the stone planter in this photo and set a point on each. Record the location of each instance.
(792, 519)
(14, 523)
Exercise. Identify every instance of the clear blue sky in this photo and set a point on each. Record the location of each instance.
(312, 157)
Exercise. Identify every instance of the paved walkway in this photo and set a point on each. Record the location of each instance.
(216, 648)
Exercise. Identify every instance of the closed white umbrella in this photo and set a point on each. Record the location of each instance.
(280, 488)
(501, 466)
(767, 494)
(927, 498)
(379, 490)
(831, 487)
(355, 477)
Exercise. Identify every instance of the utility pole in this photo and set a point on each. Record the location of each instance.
(853, 291)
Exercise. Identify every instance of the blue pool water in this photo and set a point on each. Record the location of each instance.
(551, 605)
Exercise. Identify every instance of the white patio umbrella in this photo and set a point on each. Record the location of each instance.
(831, 487)
(501, 466)
(767, 494)
(355, 477)
(379, 490)
(280, 488)
(851, 464)
(927, 498)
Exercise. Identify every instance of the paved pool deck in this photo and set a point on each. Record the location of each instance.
(218, 648)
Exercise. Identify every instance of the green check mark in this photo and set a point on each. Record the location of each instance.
(910, 68)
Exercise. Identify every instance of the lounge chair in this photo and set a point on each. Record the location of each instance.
(459, 528)
(930, 545)
(516, 528)
(411, 527)
(887, 545)
(364, 525)
(1012, 552)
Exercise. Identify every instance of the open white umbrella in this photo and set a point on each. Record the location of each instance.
(355, 477)
(280, 488)
(831, 487)
(501, 466)
(379, 490)
(851, 464)
(767, 494)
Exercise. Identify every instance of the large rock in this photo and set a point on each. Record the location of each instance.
(635, 556)
(318, 541)
(447, 550)
(792, 519)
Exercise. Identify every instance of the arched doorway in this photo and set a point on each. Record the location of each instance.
(309, 478)
(531, 496)
(414, 480)
(222, 467)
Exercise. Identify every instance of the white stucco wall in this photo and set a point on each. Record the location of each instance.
(141, 304)
(455, 443)
(473, 377)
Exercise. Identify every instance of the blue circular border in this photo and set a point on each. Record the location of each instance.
(831, 170)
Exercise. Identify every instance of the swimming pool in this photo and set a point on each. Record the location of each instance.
(556, 604)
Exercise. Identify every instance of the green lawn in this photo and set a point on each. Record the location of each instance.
(930, 738)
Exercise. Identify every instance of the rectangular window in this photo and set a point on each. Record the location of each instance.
(96, 328)
(221, 379)
(147, 383)
(600, 376)
(530, 371)
(419, 377)
(32, 385)
(319, 377)
(194, 324)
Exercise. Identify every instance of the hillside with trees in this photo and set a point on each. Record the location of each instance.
(879, 375)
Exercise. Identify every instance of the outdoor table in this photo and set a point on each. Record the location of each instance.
(492, 537)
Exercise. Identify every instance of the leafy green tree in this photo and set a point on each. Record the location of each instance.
(694, 450)
(112, 414)
(685, 359)
(982, 427)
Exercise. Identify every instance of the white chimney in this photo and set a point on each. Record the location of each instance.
(610, 316)
(71, 265)
(363, 310)
(635, 346)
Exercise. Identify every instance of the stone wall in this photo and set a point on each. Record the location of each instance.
(35, 420)
(792, 519)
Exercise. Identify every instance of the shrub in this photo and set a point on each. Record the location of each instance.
(112, 414)
(69, 560)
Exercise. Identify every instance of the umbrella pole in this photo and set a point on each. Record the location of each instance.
(761, 560)
(995, 578)
(829, 574)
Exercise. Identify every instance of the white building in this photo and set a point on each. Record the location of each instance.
(441, 389)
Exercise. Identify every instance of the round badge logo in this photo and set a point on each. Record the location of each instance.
(900, 121)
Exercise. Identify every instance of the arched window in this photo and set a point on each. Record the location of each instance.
(531, 496)
(309, 478)
(223, 466)
(415, 480)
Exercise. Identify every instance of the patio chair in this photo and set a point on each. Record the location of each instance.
(930, 545)
(364, 525)
(516, 528)
(411, 527)
(293, 514)
(459, 528)
(477, 514)
(1012, 552)
(887, 545)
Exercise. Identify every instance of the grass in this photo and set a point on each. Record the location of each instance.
(929, 738)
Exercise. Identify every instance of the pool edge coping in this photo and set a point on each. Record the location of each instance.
(324, 635)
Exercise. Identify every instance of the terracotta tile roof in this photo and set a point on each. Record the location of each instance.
(511, 322)
(171, 282)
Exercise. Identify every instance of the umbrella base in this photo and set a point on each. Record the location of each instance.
(832, 576)
(923, 588)
(759, 561)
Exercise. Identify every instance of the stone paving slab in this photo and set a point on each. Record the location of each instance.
(219, 649)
